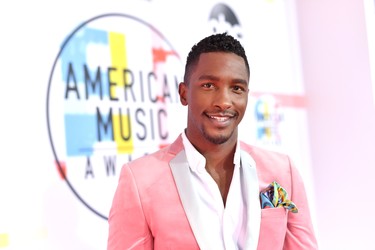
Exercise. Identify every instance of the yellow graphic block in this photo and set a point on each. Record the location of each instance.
(4, 240)
(121, 123)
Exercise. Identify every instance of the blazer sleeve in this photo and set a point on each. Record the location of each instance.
(128, 228)
(300, 233)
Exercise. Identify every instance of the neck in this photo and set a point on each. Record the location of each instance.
(219, 164)
(219, 157)
(215, 154)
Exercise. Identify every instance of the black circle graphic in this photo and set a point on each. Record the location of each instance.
(228, 13)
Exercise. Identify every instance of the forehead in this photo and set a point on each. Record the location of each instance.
(223, 64)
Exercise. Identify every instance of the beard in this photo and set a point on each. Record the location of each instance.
(219, 139)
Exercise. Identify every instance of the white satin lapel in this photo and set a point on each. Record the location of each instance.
(251, 192)
(181, 173)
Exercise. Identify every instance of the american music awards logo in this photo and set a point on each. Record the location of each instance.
(112, 90)
(268, 117)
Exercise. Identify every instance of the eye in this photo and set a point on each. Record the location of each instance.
(239, 88)
(207, 85)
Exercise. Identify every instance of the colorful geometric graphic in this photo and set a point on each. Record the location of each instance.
(268, 118)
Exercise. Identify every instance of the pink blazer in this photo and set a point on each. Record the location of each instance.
(153, 207)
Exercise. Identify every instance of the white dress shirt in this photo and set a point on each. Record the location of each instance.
(227, 225)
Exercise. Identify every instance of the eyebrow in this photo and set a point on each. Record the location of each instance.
(215, 78)
(208, 77)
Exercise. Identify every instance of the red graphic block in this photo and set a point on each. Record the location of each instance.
(61, 168)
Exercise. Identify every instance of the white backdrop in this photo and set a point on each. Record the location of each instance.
(369, 7)
(40, 209)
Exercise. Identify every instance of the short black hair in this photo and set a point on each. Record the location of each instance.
(221, 42)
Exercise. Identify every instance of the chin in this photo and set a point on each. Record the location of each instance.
(218, 136)
(219, 139)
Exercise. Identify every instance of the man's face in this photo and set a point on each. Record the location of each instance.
(216, 95)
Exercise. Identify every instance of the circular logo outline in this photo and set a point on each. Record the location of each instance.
(60, 168)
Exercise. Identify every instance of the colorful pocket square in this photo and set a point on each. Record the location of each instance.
(276, 196)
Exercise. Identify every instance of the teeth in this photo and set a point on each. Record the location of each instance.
(219, 118)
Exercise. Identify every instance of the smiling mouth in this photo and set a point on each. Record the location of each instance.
(221, 117)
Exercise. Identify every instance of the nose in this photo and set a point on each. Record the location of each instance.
(223, 99)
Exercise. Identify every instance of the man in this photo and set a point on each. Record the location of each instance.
(203, 190)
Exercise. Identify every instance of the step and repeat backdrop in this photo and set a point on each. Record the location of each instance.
(369, 6)
(87, 87)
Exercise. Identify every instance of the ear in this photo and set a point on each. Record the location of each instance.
(182, 91)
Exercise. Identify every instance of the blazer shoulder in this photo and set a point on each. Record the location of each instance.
(261, 155)
(271, 165)
(157, 161)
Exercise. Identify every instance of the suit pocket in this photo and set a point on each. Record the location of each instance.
(273, 227)
(278, 213)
